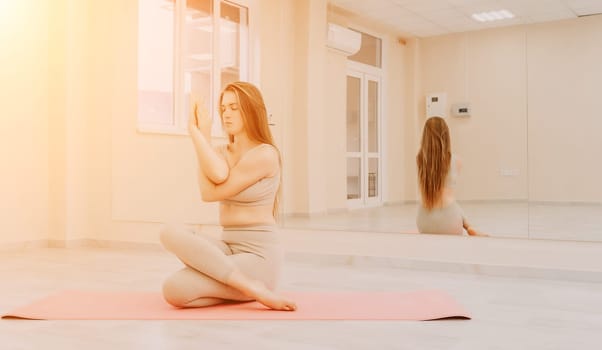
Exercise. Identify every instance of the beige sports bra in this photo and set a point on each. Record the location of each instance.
(260, 193)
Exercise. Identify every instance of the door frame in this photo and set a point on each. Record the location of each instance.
(365, 74)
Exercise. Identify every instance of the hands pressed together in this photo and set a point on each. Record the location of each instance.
(199, 120)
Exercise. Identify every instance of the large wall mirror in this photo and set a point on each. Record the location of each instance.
(530, 146)
(564, 125)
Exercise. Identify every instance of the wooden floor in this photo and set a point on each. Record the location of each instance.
(509, 312)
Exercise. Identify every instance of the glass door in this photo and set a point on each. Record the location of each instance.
(363, 140)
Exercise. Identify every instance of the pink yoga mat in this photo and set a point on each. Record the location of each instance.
(95, 305)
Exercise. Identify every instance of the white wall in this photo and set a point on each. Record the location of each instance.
(334, 146)
(396, 170)
(534, 96)
(565, 110)
(488, 70)
(24, 137)
(413, 110)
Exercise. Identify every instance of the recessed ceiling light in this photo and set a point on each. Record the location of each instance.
(492, 15)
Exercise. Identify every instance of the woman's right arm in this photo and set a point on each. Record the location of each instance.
(211, 164)
(249, 170)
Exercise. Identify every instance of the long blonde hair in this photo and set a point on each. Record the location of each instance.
(433, 160)
(255, 121)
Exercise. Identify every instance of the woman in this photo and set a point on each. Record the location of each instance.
(244, 176)
(437, 172)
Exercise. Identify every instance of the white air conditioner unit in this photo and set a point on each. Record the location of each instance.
(344, 40)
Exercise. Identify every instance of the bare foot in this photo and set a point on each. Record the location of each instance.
(472, 232)
(270, 299)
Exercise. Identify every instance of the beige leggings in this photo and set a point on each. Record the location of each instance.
(254, 251)
(446, 220)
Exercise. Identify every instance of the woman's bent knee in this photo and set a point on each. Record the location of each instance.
(169, 234)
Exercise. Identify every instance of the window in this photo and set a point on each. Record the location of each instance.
(370, 51)
(187, 48)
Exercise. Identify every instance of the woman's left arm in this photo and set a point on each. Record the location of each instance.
(262, 163)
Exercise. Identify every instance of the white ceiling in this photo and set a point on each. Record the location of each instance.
(424, 18)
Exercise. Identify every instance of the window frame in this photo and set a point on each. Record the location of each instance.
(178, 126)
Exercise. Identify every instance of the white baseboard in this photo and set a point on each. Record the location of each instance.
(78, 243)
